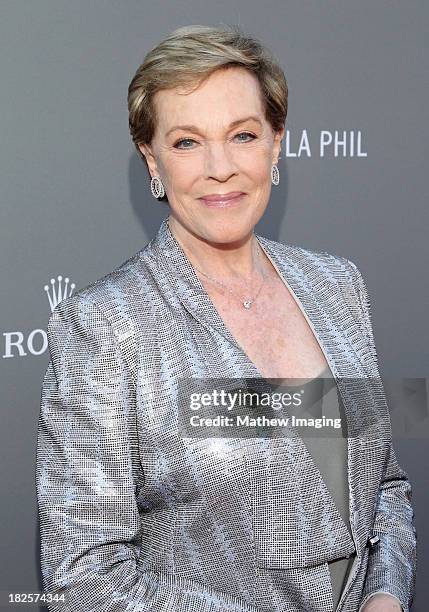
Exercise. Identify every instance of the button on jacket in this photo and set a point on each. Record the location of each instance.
(136, 517)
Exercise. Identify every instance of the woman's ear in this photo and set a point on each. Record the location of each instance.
(150, 159)
(277, 146)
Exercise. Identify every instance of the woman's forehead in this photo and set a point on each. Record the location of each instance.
(225, 96)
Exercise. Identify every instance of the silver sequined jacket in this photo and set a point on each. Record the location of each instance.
(135, 517)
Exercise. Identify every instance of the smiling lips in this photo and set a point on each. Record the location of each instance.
(222, 199)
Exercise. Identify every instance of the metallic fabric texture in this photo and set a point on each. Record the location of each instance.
(135, 517)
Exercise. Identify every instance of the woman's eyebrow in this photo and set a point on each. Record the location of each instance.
(195, 129)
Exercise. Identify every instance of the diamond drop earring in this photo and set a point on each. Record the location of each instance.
(275, 175)
(156, 187)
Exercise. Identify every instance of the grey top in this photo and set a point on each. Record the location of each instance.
(328, 449)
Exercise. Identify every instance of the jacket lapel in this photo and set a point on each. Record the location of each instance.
(336, 331)
(342, 342)
(171, 259)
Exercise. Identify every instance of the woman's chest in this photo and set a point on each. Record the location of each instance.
(274, 333)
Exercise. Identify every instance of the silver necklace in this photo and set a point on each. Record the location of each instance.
(247, 303)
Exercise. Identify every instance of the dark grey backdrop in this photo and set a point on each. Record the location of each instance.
(76, 199)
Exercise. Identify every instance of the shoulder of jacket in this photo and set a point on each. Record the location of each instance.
(331, 262)
(113, 296)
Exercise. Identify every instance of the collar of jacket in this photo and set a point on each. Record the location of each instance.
(304, 276)
(316, 287)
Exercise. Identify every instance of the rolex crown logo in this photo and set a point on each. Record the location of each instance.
(59, 292)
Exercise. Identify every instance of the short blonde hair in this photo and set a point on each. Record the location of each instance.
(189, 55)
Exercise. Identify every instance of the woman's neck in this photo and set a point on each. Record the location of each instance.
(239, 262)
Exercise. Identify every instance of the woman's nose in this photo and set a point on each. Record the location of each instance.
(219, 162)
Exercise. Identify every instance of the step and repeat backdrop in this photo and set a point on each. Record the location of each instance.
(76, 198)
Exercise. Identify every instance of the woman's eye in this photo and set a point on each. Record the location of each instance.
(184, 140)
(179, 142)
(247, 134)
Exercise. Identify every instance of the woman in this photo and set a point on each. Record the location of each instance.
(134, 515)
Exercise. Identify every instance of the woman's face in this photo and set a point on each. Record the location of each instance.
(214, 140)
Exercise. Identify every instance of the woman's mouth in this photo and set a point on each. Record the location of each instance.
(222, 200)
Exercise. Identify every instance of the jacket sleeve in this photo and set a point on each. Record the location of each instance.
(88, 475)
(392, 563)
